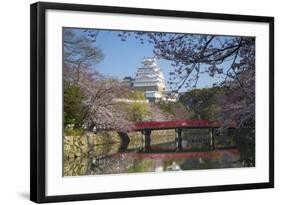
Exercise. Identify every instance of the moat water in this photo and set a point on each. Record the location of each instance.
(194, 153)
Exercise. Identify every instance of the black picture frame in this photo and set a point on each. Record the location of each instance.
(38, 101)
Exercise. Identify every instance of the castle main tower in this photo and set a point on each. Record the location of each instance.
(149, 77)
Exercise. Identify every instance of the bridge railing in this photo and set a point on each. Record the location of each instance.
(177, 124)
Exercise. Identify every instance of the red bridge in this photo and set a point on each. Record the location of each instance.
(178, 125)
(156, 125)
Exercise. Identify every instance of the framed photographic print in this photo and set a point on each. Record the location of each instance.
(129, 102)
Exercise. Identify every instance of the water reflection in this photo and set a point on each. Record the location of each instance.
(194, 152)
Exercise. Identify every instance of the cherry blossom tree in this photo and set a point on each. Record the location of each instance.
(80, 57)
(79, 53)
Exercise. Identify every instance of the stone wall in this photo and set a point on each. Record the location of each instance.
(77, 146)
(82, 146)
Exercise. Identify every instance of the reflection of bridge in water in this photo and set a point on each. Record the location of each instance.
(179, 126)
(191, 154)
(164, 154)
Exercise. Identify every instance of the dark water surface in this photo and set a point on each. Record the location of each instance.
(194, 153)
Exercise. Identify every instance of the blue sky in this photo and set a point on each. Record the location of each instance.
(122, 58)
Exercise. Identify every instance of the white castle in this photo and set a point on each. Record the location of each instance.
(149, 77)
